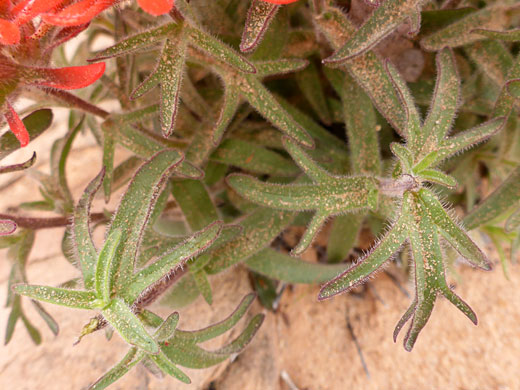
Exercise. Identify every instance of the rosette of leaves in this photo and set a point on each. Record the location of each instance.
(422, 219)
(117, 290)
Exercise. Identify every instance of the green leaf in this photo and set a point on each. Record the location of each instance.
(119, 315)
(135, 209)
(468, 138)
(244, 338)
(307, 164)
(281, 66)
(427, 259)
(16, 313)
(507, 36)
(513, 222)
(425, 162)
(413, 119)
(253, 158)
(382, 22)
(367, 69)
(497, 203)
(404, 155)
(429, 276)
(167, 328)
(33, 332)
(452, 232)
(462, 31)
(435, 19)
(19, 167)
(259, 17)
(58, 296)
(505, 101)
(167, 264)
(228, 111)
(438, 177)
(310, 84)
(51, 322)
(103, 267)
(279, 266)
(219, 50)
(203, 285)
(195, 202)
(119, 370)
(344, 195)
(260, 228)
(343, 236)
(217, 329)
(513, 88)
(139, 41)
(374, 259)
(493, 58)
(169, 368)
(362, 129)
(445, 99)
(168, 75)
(261, 99)
(182, 293)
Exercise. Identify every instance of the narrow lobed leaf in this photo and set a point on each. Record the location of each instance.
(120, 316)
(498, 202)
(219, 50)
(507, 35)
(279, 266)
(259, 17)
(139, 41)
(103, 267)
(58, 296)
(169, 262)
(136, 207)
(370, 263)
(382, 22)
(119, 370)
(452, 232)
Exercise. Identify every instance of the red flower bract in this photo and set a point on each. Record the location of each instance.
(16, 125)
(73, 77)
(156, 7)
(78, 13)
(9, 33)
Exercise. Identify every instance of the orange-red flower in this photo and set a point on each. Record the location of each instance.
(84, 11)
(15, 13)
(72, 77)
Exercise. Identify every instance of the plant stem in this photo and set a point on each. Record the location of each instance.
(46, 223)
(77, 102)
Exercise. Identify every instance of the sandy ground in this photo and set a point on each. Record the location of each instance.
(304, 345)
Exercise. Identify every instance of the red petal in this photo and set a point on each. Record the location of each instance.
(72, 77)
(29, 9)
(156, 7)
(9, 33)
(78, 13)
(17, 126)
